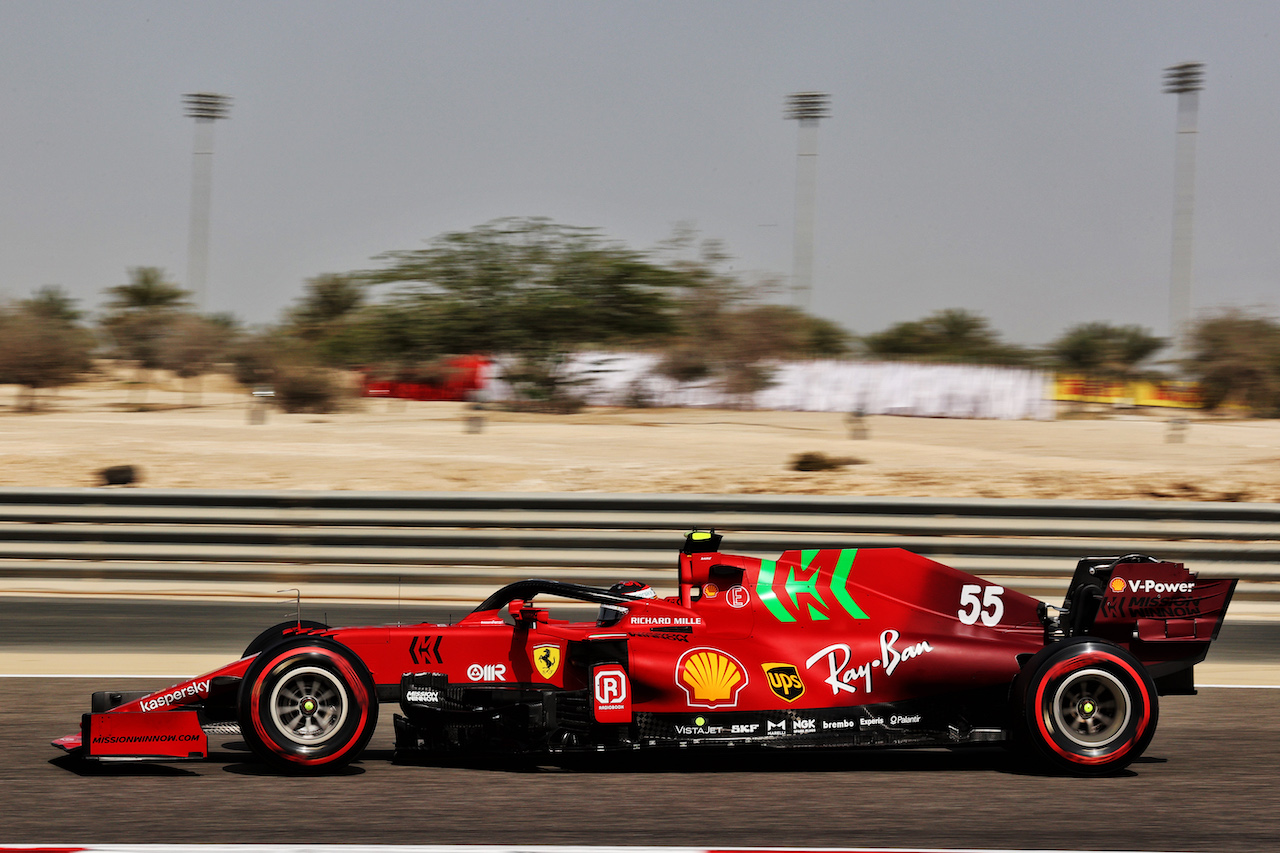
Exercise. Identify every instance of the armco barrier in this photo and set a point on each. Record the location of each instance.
(468, 539)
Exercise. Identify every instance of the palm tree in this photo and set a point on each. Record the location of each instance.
(1105, 351)
(147, 290)
(141, 314)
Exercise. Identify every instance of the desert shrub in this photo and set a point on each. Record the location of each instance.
(638, 395)
(815, 461)
(542, 385)
(685, 363)
(253, 360)
(39, 349)
(309, 389)
(747, 378)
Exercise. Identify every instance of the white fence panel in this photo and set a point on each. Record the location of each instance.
(825, 385)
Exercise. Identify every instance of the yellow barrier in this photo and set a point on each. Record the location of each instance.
(1082, 389)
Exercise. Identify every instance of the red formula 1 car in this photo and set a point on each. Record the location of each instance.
(842, 648)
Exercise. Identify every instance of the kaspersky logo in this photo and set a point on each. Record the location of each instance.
(809, 586)
(710, 678)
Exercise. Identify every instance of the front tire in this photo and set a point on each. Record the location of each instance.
(308, 705)
(276, 633)
(1087, 706)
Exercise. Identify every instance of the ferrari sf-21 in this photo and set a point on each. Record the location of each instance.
(848, 648)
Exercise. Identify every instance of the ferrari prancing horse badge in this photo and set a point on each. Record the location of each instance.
(547, 660)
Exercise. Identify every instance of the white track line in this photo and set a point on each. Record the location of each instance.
(488, 848)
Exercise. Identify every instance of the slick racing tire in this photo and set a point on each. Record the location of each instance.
(1087, 706)
(307, 705)
(276, 633)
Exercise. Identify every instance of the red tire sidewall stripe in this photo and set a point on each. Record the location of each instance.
(355, 683)
(1078, 661)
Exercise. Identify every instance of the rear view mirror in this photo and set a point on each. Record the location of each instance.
(524, 613)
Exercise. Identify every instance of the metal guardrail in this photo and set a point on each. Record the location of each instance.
(466, 538)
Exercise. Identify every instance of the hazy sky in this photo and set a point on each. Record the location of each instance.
(1012, 158)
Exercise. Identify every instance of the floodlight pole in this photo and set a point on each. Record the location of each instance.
(1185, 81)
(806, 108)
(205, 108)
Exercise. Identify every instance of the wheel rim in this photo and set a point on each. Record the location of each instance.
(1091, 708)
(309, 705)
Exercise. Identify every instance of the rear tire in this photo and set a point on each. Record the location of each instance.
(308, 705)
(1087, 706)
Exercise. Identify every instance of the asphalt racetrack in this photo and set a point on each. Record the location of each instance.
(1209, 781)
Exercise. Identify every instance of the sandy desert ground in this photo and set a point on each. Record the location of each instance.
(177, 440)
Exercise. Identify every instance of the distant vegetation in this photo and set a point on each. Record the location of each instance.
(42, 344)
(1236, 358)
(952, 336)
(535, 292)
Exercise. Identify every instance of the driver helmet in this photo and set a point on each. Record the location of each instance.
(610, 613)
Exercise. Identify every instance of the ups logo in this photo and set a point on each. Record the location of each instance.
(784, 680)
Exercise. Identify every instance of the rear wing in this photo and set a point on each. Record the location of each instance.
(1161, 612)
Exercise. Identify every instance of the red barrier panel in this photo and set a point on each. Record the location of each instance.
(464, 374)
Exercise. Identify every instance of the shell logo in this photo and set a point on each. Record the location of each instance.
(710, 678)
(1117, 585)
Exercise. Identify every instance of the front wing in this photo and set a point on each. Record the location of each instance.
(165, 725)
